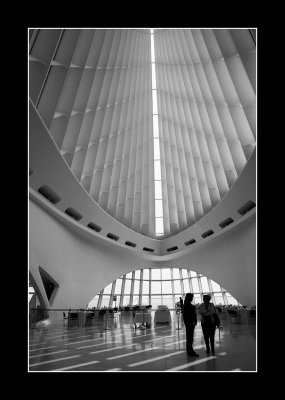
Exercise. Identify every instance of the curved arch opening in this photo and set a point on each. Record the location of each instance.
(160, 286)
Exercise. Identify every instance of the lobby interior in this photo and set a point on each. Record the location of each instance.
(142, 188)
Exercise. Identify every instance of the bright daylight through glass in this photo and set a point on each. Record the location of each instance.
(159, 229)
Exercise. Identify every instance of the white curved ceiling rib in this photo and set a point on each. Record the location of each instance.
(93, 90)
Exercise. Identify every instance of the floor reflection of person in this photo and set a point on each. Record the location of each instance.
(190, 321)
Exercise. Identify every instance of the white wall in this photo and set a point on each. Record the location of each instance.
(230, 260)
(82, 266)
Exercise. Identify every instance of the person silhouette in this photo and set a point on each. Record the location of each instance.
(181, 303)
(207, 311)
(190, 321)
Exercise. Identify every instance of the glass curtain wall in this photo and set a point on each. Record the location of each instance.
(157, 286)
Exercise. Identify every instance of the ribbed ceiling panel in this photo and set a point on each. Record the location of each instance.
(203, 88)
(93, 89)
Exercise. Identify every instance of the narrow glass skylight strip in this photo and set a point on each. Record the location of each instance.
(158, 208)
(157, 170)
(159, 229)
(154, 101)
(156, 149)
(158, 190)
(155, 126)
(152, 46)
(153, 75)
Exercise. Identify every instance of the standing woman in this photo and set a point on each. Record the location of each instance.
(190, 321)
(207, 311)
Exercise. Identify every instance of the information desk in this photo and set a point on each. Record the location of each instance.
(162, 316)
(143, 317)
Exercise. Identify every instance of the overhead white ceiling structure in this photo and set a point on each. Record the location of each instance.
(142, 154)
(94, 90)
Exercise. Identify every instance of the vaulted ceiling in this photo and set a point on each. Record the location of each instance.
(94, 90)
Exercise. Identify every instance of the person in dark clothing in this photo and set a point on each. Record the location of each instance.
(207, 311)
(181, 303)
(190, 321)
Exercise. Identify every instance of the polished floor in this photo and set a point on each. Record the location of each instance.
(116, 346)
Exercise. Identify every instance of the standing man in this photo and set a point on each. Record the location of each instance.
(181, 304)
(190, 321)
(207, 311)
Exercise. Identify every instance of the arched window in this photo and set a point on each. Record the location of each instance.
(158, 286)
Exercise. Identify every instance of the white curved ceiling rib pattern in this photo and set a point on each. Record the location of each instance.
(97, 103)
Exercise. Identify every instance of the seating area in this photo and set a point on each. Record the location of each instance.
(161, 314)
(135, 307)
(88, 317)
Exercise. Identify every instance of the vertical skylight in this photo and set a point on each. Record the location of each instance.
(159, 228)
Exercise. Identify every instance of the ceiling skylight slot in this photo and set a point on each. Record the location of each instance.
(49, 194)
(113, 237)
(73, 214)
(172, 248)
(148, 249)
(131, 244)
(246, 207)
(226, 222)
(190, 242)
(208, 233)
(95, 227)
(159, 227)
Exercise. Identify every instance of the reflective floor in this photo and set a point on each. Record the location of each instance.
(116, 346)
